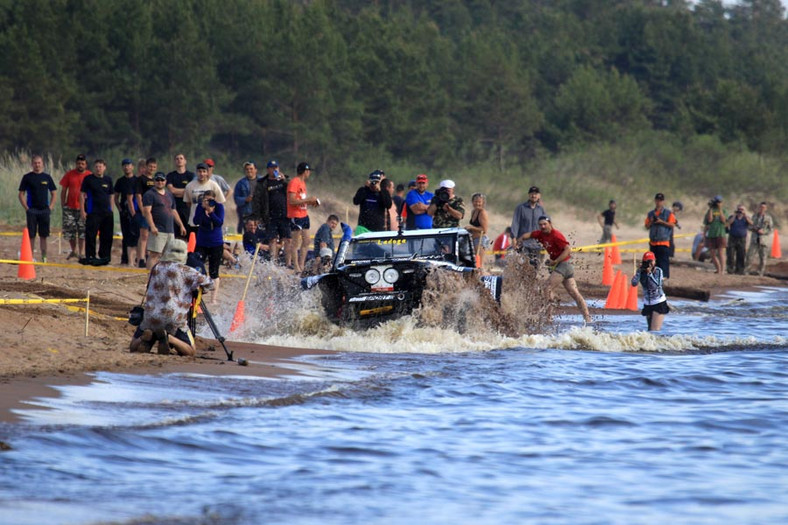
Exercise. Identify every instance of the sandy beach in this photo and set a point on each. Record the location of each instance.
(45, 344)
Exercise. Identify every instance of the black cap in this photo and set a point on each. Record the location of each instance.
(659, 197)
(534, 189)
(303, 167)
(160, 176)
(81, 157)
(202, 166)
(376, 175)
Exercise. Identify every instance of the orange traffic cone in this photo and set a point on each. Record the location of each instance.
(607, 269)
(26, 271)
(612, 296)
(615, 253)
(623, 292)
(192, 242)
(777, 253)
(632, 298)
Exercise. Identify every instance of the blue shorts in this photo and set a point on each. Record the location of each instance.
(141, 222)
(299, 223)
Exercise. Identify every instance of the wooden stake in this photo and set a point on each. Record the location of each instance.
(87, 313)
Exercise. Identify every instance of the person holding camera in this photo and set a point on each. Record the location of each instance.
(660, 223)
(168, 300)
(737, 225)
(655, 303)
(714, 221)
(561, 270)
(762, 226)
(446, 209)
(210, 238)
(373, 203)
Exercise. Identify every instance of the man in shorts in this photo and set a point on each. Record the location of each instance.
(561, 270)
(158, 207)
(37, 193)
(269, 207)
(73, 223)
(297, 204)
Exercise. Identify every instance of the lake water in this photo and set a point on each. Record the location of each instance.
(602, 424)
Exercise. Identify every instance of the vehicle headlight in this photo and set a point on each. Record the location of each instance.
(372, 276)
(391, 275)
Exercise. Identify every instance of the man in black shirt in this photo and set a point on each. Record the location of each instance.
(95, 205)
(144, 183)
(607, 219)
(373, 203)
(176, 183)
(124, 202)
(37, 192)
(269, 205)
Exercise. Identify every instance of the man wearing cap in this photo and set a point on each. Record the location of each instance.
(660, 222)
(73, 225)
(144, 184)
(176, 184)
(607, 219)
(124, 197)
(193, 192)
(561, 270)
(269, 207)
(158, 207)
(373, 203)
(218, 179)
(738, 224)
(97, 212)
(297, 203)
(244, 192)
(446, 209)
(714, 221)
(526, 220)
(37, 194)
(417, 202)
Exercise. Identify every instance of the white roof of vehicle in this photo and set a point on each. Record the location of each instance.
(409, 233)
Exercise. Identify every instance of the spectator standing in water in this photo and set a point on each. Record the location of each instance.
(655, 303)
(660, 223)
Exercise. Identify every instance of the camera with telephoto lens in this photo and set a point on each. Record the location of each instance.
(212, 203)
(442, 197)
(645, 265)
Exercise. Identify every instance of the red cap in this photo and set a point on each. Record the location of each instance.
(649, 256)
(209, 162)
(421, 178)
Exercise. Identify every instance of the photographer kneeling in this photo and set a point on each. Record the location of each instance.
(446, 209)
(655, 303)
(167, 301)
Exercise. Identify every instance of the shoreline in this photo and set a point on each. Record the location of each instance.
(264, 361)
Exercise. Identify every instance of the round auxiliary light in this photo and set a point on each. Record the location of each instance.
(372, 276)
(390, 275)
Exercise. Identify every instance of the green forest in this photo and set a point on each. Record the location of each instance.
(425, 84)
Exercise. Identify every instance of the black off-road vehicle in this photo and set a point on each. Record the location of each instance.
(378, 276)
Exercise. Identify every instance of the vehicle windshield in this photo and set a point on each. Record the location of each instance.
(432, 247)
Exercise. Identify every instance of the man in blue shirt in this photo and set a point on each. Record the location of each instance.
(418, 201)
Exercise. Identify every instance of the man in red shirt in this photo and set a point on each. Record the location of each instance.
(561, 270)
(297, 203)
(73, 223)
